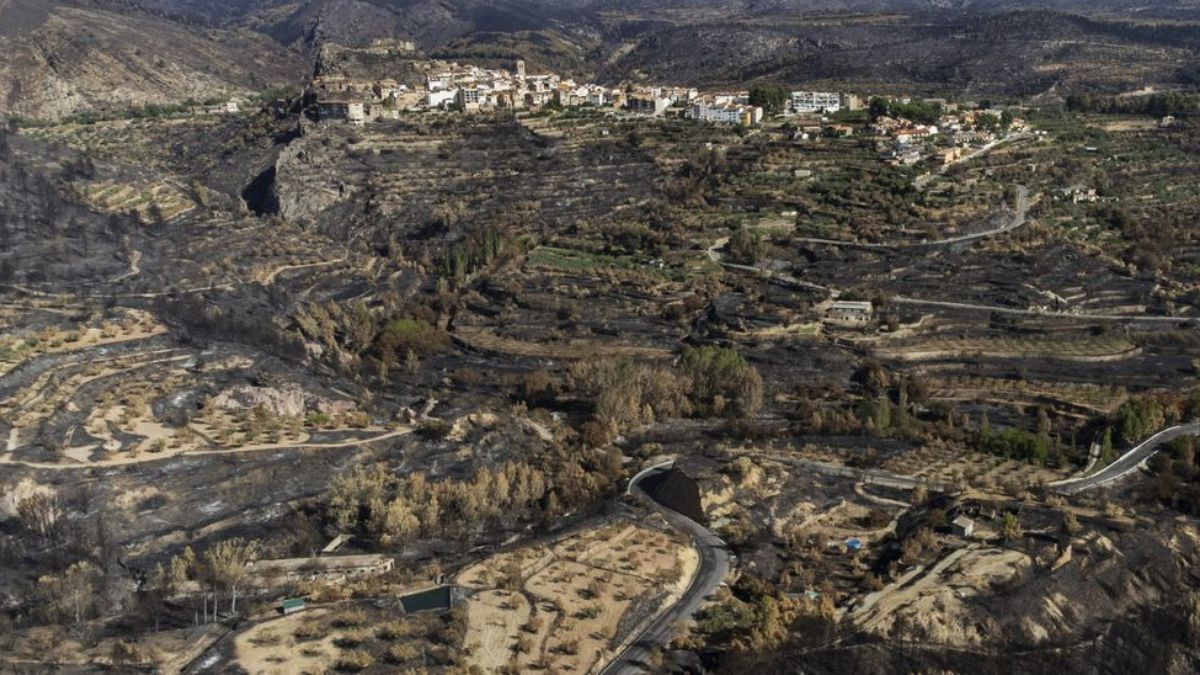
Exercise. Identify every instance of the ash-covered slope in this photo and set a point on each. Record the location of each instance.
(356, 22)
(1017, 53)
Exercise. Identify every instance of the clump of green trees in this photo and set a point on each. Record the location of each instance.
(917, 111)
(773, 98)
(707, 381)
(396, 509)
(380, 339)
(746, 246)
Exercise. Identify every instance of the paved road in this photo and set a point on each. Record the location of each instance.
(714, 254)
(1127, 463)
(1019, 218)
(902, 300)
(714, 566)
(922, 181)
(866, 476)
(715, 560)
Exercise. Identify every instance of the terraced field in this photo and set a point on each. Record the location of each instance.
(1067, 348)
(117, 389)
(572, 606)
(152, 203)
(498, 171)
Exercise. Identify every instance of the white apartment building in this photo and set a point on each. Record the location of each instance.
(721, 113)
(816, 101)
(726, 113)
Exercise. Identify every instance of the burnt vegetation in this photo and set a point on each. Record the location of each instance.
(228, 342)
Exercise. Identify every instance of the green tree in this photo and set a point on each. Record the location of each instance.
(772, 97)
(73, 592)
(722, 381)
(225, 565)
(1010, 527)
(878, 107)
(746, 246)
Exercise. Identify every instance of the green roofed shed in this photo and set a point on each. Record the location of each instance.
(291, 605)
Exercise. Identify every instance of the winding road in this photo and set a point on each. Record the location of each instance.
(1127, 463)
(715, 560)
(921, 181)
(970, 306)
(1020, 216)
(714, 566)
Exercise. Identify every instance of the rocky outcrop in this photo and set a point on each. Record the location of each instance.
(289, 400)
(308, 178)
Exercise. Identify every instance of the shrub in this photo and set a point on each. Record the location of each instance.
(589, 612)
(392, 630)
(466, 377)
(401, 653)
(350, 639)
(353, 661)
(306, 631)
(349, 618)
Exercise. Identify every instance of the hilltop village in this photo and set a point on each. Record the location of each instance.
(906, 130)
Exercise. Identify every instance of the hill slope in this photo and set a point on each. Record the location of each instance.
(61, 59)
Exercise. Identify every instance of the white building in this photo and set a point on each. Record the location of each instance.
(816, 101)
(437, 99)
(647, 104)
(726, 113)
(730, 98)
(848, 312)
(676, 94)
(963, 526)
(468, 98)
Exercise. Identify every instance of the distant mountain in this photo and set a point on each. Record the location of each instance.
(1018, 53)
(886, 5)
(430, 22)
(61, 58)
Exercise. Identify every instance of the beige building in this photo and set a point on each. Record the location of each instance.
(341, 109)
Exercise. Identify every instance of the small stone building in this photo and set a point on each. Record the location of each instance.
(963, 526)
